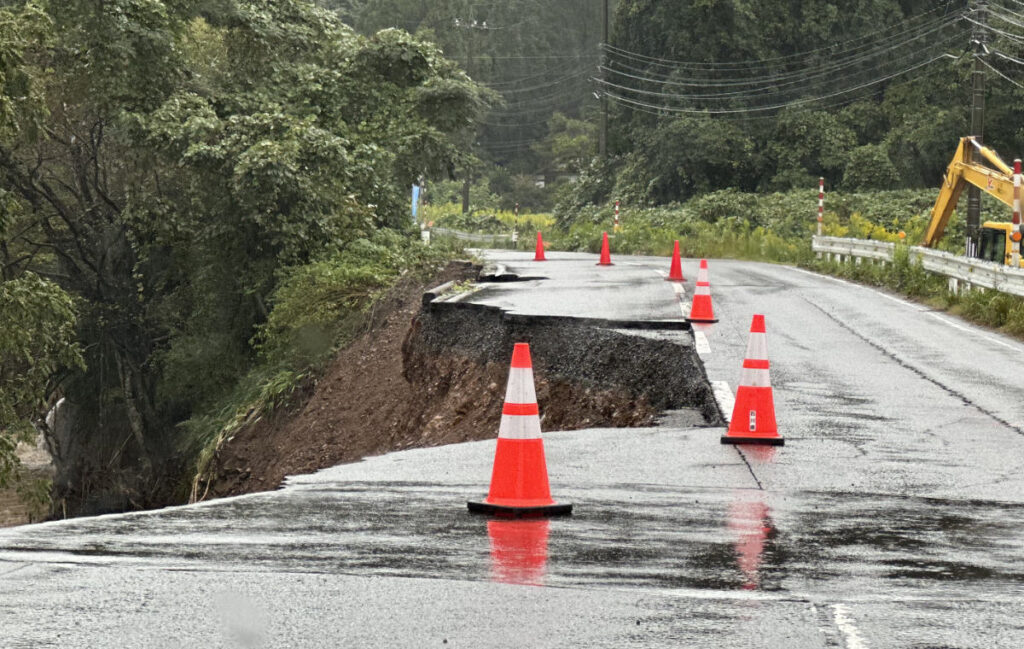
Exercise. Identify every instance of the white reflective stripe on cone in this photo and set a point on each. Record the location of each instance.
(519, 427)
(520, 386)
(702, 289)
(755, 378)
(757, 347)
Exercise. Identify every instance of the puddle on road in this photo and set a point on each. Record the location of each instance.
(692, 539)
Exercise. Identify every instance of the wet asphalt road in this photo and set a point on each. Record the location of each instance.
(893, 517)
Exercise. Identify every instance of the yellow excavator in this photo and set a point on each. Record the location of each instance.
(997, 239)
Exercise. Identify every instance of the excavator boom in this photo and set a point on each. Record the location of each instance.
(961, 171)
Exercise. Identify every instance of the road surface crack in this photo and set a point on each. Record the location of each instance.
(902, 363)
(749, 467)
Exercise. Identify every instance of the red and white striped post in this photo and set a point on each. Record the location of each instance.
(821, 203)
(515, 226)
(616, 224)
(1015, 234)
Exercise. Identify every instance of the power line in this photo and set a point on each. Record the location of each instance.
(778, 106)
(990, 67)
(823, 105)
(823, 68)
(768, 62)
(771, 84)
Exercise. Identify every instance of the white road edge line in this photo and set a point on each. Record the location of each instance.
(850, 632)
(969, 330)
(911, 305)
(700, 341)
(916, 307)
(724, 397)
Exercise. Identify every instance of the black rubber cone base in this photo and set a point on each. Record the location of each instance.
(504, 511)
(737, 439)
(702, 320)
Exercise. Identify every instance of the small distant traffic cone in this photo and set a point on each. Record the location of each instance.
(753, 416)
(606, 258)
(675, 273)
(519, 481)
(539, 255)
(701, 309)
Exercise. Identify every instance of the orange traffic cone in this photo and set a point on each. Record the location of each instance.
(701, 309)
(539, 255)
(519, 482)
(753, 416)
(675, 273)
(606, 258)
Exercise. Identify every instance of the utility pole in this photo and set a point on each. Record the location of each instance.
(467, 180)
(603, 135)
(977, 127)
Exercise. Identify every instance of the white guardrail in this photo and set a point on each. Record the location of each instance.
(973, 272)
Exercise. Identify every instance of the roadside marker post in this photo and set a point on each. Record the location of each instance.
(1015, 234)
(821, 204)
(821, 207)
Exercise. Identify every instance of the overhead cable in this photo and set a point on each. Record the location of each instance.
(795, 102)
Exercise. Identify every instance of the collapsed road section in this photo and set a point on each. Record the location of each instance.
(439, 380)
(590, 371)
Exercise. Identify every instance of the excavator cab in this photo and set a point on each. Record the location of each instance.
(994, 245)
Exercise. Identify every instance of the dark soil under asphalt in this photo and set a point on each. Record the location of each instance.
(432, 374)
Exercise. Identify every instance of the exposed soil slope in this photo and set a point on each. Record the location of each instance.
(425, 378)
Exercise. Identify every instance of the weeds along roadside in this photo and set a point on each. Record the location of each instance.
(318, 309)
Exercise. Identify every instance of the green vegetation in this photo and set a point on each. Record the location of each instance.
(185, 174)
(489, 221)
(37, 322)
(869, 94)
(200, 201)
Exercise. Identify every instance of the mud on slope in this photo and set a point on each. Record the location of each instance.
(432, 374)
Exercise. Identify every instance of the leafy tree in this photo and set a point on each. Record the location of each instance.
(569, 145)
(172, 159)
(869, 167)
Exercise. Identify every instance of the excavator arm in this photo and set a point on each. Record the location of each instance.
(961, 171)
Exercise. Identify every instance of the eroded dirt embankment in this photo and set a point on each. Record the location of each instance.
(426, 375)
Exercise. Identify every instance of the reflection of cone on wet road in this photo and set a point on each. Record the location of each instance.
(675, 273)
(519, 482)
(606, 257)
(701, 309)
(751, 522)
(753, 415)
(519, 551)
(539, 254)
